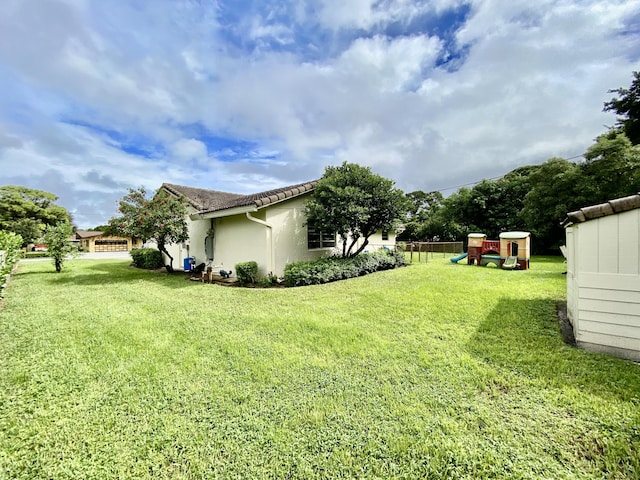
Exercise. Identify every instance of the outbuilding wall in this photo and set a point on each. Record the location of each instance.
(603, 283)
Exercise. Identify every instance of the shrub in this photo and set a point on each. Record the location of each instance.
(247, 272)
(148, 258)
(329, 269)
(10, 253)
(269, 281)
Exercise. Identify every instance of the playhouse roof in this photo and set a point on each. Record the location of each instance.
(515, 235)
(476, 235)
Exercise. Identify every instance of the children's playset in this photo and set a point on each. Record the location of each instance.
(511, 252)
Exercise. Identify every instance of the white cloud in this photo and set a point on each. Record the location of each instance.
(390, 64)
(188, 149)
(360, 81)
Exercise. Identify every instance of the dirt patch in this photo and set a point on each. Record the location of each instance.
(565, 325)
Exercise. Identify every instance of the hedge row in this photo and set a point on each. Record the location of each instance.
(148, 258)
(36, 254)
(330, 269)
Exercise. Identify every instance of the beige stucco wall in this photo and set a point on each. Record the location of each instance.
(290, 234)
(603, 283)
(194, 247)
(239, 239)
(376, 242)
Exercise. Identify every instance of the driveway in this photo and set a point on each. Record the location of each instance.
(105, 256)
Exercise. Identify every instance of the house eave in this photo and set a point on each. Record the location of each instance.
(224, 213)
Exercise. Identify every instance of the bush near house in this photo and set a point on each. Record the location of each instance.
(330, 269)
(148, 258)
(247, 272)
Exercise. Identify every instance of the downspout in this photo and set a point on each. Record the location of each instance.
(269, 239)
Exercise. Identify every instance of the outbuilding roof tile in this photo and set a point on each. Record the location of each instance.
(611, 207)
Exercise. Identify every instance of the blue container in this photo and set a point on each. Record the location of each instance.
(187, 264)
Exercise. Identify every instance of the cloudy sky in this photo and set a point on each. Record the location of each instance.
(248, 95)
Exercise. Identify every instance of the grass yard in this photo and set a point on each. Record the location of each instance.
(430, 371)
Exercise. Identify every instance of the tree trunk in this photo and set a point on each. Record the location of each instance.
(163, 249)
(353, 242)
(58, 263)
(362, 247)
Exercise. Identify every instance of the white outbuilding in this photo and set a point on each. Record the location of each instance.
(603, 276)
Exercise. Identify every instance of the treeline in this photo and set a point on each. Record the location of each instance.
(532, 198)
(537, 198)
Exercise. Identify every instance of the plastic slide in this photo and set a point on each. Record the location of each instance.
(458, 258)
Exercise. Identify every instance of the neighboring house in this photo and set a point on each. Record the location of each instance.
(603, 276)
(267, 227)
(99, 242)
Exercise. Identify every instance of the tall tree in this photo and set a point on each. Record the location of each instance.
(160, 218)
(422, 221)
(355, 203)
(557, 187)
(627, 106)
(27, 211)
(491, 206)
(611, 168)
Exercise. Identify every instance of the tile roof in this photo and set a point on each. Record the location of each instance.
(202, 199)
(87, 234)
(207, 201)
(611, 207)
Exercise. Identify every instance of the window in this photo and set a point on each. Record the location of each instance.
(385, 235)
(319, 239)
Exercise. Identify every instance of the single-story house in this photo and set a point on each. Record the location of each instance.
(99, 242)
(267, 227)
(603, 276)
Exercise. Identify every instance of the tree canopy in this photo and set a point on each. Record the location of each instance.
(27, 211)
(627, 106)
(355, 203)
(160, 218)
(537, 198)
(534, 198)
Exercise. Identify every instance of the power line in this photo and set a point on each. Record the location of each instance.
(492, 178)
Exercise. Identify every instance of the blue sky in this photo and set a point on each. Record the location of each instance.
(245, 96)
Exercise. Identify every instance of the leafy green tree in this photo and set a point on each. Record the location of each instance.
(627, 106)
(422, 208)
(490, 207)
(27, 211)
(161, 218)
(355, 203)
(106, 229)
(557, 187)
(58, 245)
(10, 244)
(611, 168)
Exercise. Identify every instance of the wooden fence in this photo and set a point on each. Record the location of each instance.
(432, 248)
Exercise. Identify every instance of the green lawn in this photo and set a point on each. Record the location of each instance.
(430, 371)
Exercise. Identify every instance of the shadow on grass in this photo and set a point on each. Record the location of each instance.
(524, 337)
(107, 272)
